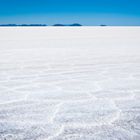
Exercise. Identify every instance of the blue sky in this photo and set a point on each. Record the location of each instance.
(86, 12)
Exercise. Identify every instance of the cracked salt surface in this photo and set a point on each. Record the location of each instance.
(70, 83)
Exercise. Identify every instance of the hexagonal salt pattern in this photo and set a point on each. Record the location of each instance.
(70, 83)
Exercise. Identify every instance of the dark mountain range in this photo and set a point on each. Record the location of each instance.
(74, 24)
(7, 25)
(23, 25)
(59, 25)
(103, 25)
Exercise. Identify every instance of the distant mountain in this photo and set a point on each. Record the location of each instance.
(103, 25)
(8, 24)
(74, 24)
(32, 25)
(59, 25)
(23, 25)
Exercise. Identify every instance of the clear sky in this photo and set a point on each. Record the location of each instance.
(86, 12)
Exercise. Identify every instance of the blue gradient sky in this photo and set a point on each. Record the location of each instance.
(86, 12)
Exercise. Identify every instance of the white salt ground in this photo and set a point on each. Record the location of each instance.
(70, 83)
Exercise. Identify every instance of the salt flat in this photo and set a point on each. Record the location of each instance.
(70, 83)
